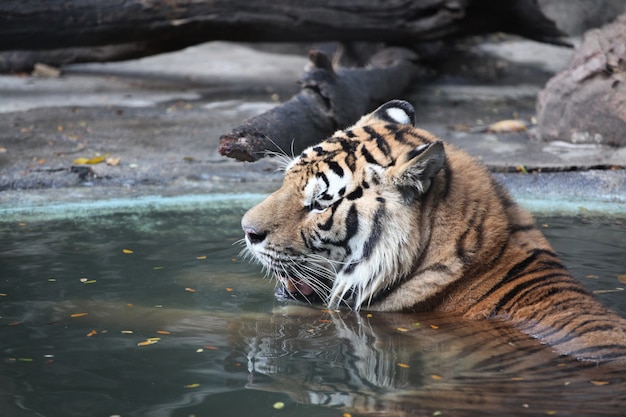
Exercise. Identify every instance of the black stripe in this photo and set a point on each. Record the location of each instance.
(447, 179)
(374, 233)
(357, 193)
(613, 355)
(502, 193)
(380, 140)
(524, 288)
(326, 226)
(516, 270)
(335, 167)
(324, 178)
(368, 156)
(352, 223)
(515, 228)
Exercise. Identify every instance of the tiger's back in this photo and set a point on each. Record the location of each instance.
(387, 217)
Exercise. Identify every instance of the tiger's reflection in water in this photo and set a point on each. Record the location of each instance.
(405, 365)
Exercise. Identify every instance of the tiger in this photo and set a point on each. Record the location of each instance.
(384, 216)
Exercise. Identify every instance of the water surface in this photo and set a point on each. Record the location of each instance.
(156, 314)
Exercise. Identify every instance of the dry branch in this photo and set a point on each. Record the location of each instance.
(328, 100)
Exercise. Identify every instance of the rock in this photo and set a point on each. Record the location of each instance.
(586, 103)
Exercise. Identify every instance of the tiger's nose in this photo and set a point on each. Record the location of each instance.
(253, 235)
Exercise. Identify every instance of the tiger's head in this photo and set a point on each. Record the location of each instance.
(342, 228)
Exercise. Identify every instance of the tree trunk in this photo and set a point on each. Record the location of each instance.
(143, 27)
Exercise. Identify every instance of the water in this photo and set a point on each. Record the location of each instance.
(155, 314)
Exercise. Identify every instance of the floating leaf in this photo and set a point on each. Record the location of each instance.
(78, 315)
(279, 405)
(201, 257)
(192, 385)
(436, 377)
(163, 332)
(435, 327)
(402, 329)
(147, 342)
(128, 251)
(622, 278)
(403, 365)
(188, 289)
(92, 333)
(600, 382)
(607, 291)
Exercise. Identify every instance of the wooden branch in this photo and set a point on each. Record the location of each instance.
(329, 100)
(161, 26)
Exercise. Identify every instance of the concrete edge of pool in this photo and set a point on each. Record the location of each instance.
(588, 193)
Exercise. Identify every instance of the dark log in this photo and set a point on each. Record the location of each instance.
(328, 100)
(147, 27)
(586, 103)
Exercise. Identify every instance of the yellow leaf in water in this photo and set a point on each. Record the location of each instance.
(78, 315)
(92, 333)
(163, 332)
(622, 278)
(128, 251)
(192, 385)
(600, 382)
(436, 377)
(279, 405)
(403, 365)
(201, 257)
(402, 329)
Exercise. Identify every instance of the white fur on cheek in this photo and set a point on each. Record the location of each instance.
(383, 267)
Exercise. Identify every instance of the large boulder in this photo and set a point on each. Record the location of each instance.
(586, 103)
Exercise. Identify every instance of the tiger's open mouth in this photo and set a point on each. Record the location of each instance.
(296, 289)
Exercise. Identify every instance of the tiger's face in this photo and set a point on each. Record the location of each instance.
(346, 219)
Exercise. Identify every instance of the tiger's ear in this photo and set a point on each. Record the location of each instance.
(394, 111)
(413, 172)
